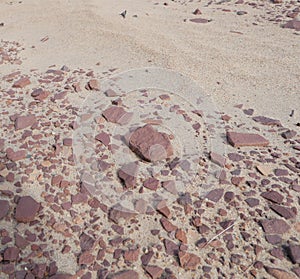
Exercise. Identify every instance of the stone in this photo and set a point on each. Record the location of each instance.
(146, 258)
(151, 183)
(275, 226)
(273, 238)
(125, 274)
(118, 213)
(154, 271)
(11, 254)
(22, 82)
(279, 273)
(246, 139)
(199, 20)
(285, 212)
(167, 225)
(293, 24)
(215, 195)
(266, 121)
(273, 196)
(131, 255)
(163, 209)
(150, 144)
(128, 175)
(181, 236)
(117, 115)
(104, 138)
(197, 12)
(93, 84)
(265, 169)
(86, 258)
(23, 122)
(61, 276)
(86, 242)
(217, 159)
(67, 142)
(4, 208)
(110, 93)
(289, 134)
(188, 261)
(294, 253)
(40, 94)
(281, 172)
(170, 247)
(26, 209)
(252, 202)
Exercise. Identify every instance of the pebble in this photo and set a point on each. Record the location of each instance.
(4, 208)
(154, 271)
(26, 209)
(246, 139)
(275, 226)
(188, 261)
(294, 253)
(23, 122)
(22, 82)
(117, 115)
(125, 274)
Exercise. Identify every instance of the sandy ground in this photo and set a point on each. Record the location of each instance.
(236, 59)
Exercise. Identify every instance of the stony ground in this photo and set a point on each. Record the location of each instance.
(189, 213)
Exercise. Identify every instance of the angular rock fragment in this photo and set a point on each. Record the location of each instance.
(275, 226)
(188, 261)
(283, 211)
(215, 195)
(104, 138)
(93, 84)
(118, 212)
(40, 94)
(23, 122)
(151, 183)
(264, 169)
(266, 121)
(293, 24)
(128, 175)
(246, 139)
(154, 271)
(26, 209)
(279, 273)
(22, 82)
(167, 225)
(11, 254)
(4, 208)
(273, 196)
(294, 253)
(199, 20)
(150, 144)
(117, 115)
(217, 159)
(289, 134)
(131, 255)
(170, 247)
(125, 274)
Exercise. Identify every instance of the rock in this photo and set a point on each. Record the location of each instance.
(110, 93)
(245, 139)
(151, 183)
(163, 209)
(67, 142)
(128, 175)
(181, 236)
(188, 261)
(279, 273)
(126, 274)
(86, 258)
(266, 121)
(154, 271)
(275, 226)
(11, 254)
(294, 253)
(293, 24)
(264, 169)
(22, 82)
(252, 202)
(150, 145)
(170, 247)
(131, 255)
(197, 12)
(281, 172)
(273, 196)
(217, 159)
(285, 212)
(289, 134)
(273, 239)
(167, 225)
(26, 209)
(215, 195)
(93, 84)
(199, 20)
(40, 94)
(4, 208)
(118, 212)
(23, 122)
(117, 115)
(104, 138)
(61, 276)
(86, 242)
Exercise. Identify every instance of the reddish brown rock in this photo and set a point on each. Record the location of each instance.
(146, 258)
(215, 195)
(273, 196)
(181, 236)
(150, 144)
(117, 115)
(164, 209)
(104, 138)
(118, 212)
(275, 226)
(279, 273)
(67, 142)
(26, 209)
(197, 12)
(93, 84)
(23, 122)
(131, 255)
(167, 225)
(61, 276)
(151, 183)
(293, 24)
(111, 93)
(40, 94)
(86, 258)
(126, 274)
(283, 211)
(294, 253)
(170, 247)
(4, 208)
(22, 82)
(199, 20)
(128, 175)
(289, 134)
(245, 139)
(266, 121)
(11, 254)
(217, 159)
(188, 261)
(154, 271)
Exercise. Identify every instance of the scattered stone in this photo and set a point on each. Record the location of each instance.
(170, 247)
(23, 122)
(128, 175)
(26, 209)
(117, 115)
(154, 271)
(110, 93)
(197, 12)
(150, 145)
(93, 84)
(11, 254)
(217, 159)
(199, 20)
(151, 183)
(131, 255)
(188, 261)
(243, 139)
(21, 83)
(40, 94)
(275, 226)
(125, 274)
(252, 202)
(279, 273)
(266, 121)
(281, 172)
(118, 212)
(146, 258)
(294, 253)
(215, 195)
(289, 134)
(4, 208)
(265, 169)
(104, 138)
(293, 24)
(167, 225)
(285, 212)
(181, 236)
(273, 196)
